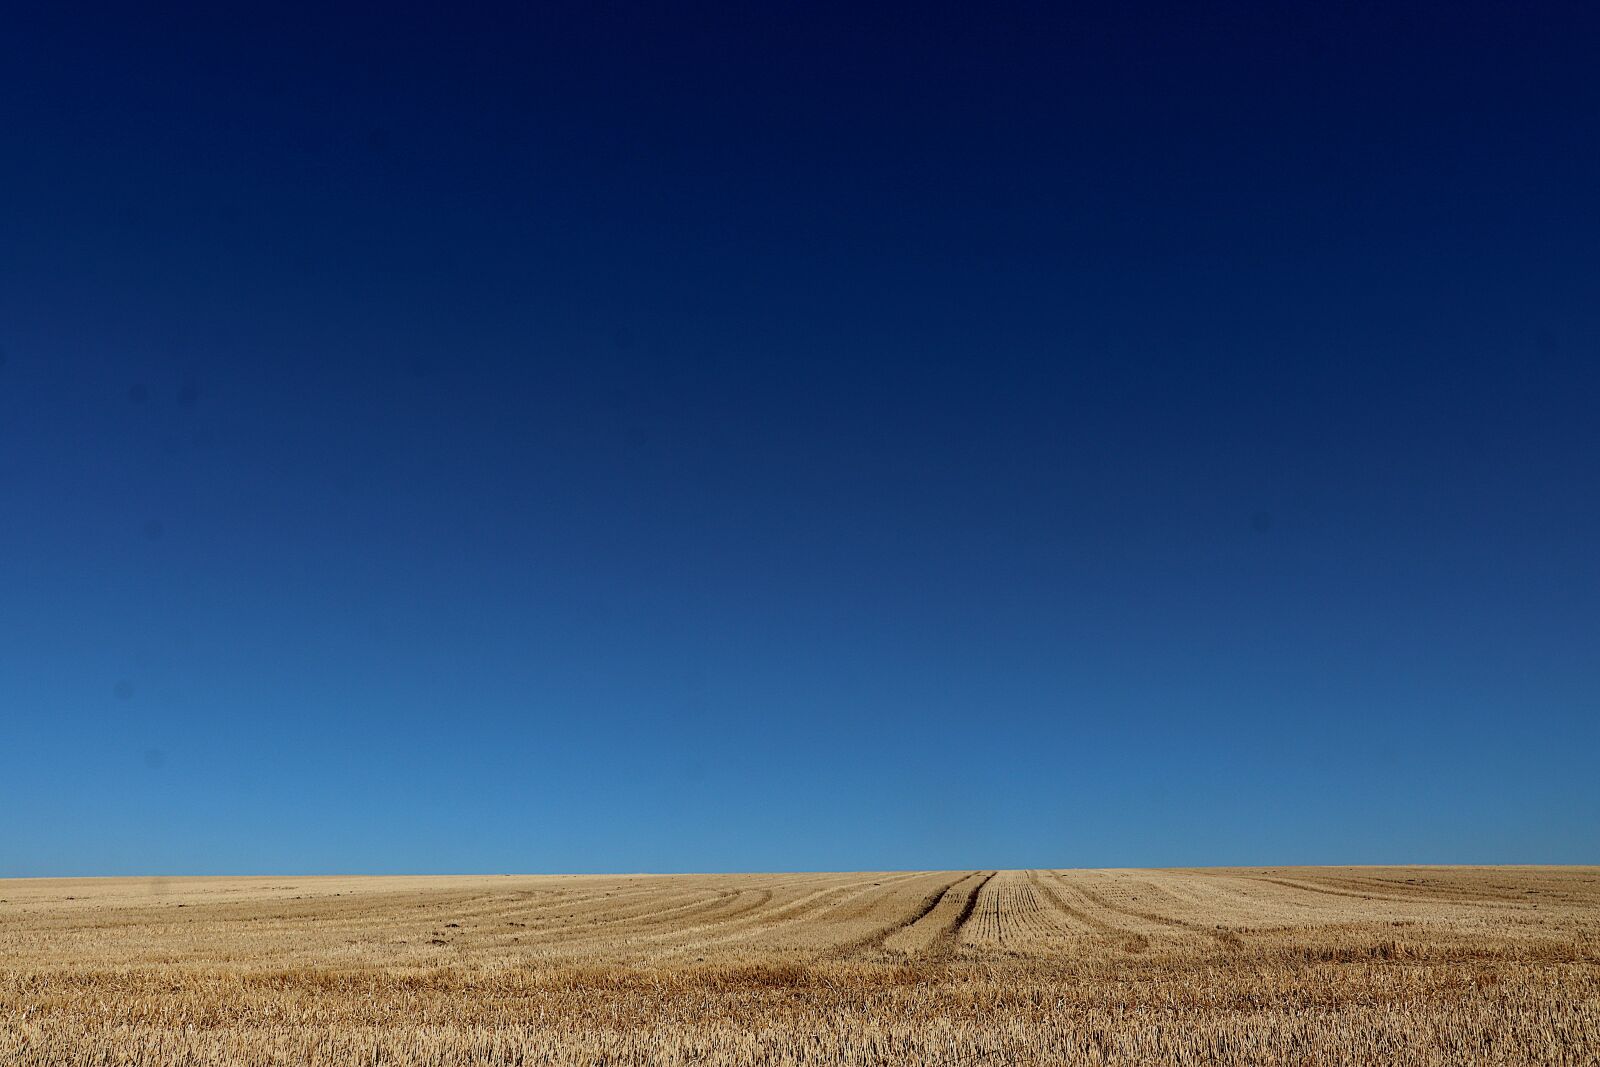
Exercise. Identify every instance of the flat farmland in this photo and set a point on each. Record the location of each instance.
(1425, 965)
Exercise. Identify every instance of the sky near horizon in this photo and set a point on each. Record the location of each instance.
(578, 438)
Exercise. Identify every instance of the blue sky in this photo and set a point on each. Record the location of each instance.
(554, 439)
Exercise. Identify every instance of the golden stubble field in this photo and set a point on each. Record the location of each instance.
(1427, 965)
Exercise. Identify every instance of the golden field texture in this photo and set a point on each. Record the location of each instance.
(1485, 965)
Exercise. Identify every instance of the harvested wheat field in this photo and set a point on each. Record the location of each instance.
(1481, 965)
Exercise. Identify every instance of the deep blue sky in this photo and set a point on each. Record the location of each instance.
(566, 438)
